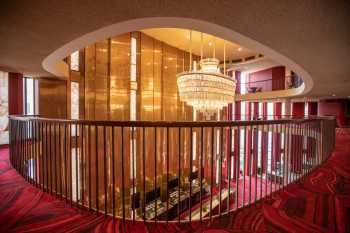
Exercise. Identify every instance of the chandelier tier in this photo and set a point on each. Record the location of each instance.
(206, 90)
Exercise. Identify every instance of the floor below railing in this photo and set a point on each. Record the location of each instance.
(319, 203)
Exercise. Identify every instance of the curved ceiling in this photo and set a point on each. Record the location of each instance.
(312, 36)
(209, 44)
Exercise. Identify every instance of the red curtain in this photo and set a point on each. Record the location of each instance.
(312, 108)
(298, 109)
(15, 94)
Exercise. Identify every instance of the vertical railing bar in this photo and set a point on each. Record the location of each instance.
(133, 172)
(212, 173)
(41, 152)
(144, 172)
(123, 184)
(26, 146)
(298, 152)
(274, 149)
(31, 131)
(272, 158)
(46, 157)
(60, 159)
(113, 176)
(179, 174)
(50, 157)
(293, 149)
(167, 175)
(33, 144)
(244, 162)
(302, 125)
(65, 161)
(55, 155)
(89, 152)
(20, 154)
(76, 163)
(266, 142)
(155, 173)
(96, 168)
(261, 160)
(236, 165)
(25, 150)
(70, 155)
(228, 162)
(278, 154)
(21, 160)
(201, 176)
(307, 149)
(190, 178)
(82, 166)
(290, 157)
(220, 171)
(250, 160)
(284, 155)
(105, 166)
(256, 148)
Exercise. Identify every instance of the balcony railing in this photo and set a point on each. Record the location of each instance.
(167, 171)
(270, 84)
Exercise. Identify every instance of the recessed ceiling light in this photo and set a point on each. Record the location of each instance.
(239, 49)
(333, 95)
(210, 43)
(187, 36)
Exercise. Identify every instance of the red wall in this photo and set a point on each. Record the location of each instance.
(275, 79)
(334, 108)
(15, 94)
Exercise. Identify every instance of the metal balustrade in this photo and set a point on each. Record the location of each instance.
(167, 171)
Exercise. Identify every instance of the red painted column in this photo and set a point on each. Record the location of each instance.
(15, 93)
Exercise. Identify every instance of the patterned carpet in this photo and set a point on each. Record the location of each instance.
(320, 203)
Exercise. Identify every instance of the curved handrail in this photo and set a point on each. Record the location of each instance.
(136, 169)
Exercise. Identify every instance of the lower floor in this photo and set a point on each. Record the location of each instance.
(319, 203)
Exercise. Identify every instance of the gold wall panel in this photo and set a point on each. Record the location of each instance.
(52, 98)
(90, 94)
(120, 77)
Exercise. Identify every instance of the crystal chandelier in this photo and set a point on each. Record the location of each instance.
(206, 90)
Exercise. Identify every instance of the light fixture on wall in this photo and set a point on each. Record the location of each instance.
(206, 89)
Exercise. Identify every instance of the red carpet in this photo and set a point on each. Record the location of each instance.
(320, 203)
